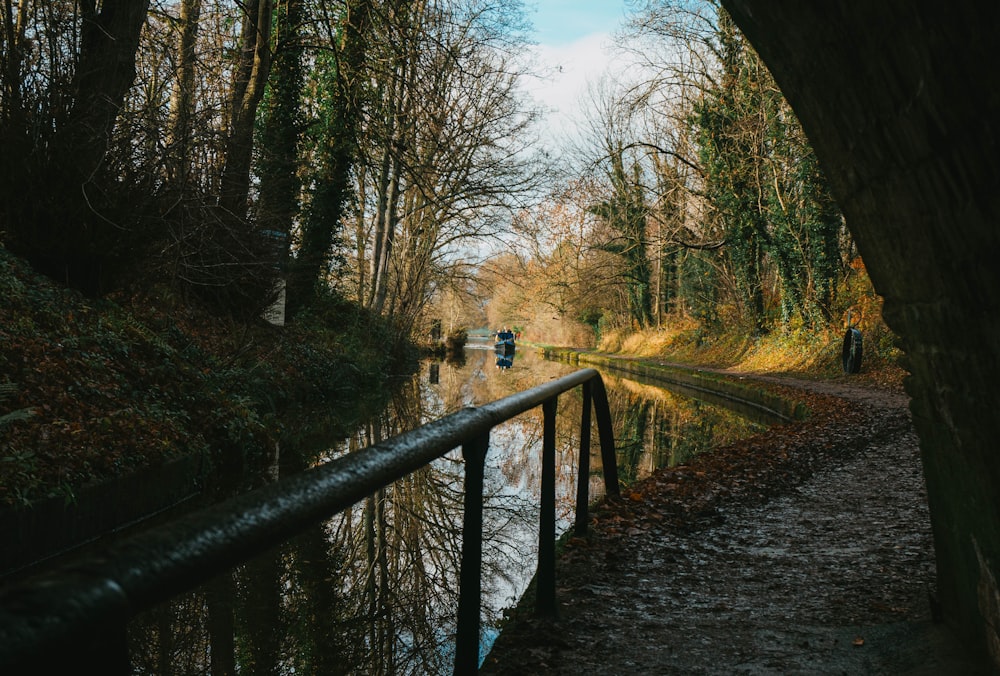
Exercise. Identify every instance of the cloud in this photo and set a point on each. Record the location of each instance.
(572, 66)
(567, 71)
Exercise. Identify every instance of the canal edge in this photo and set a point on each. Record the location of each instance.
(739, 388)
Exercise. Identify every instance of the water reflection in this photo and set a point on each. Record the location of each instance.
(374, 590)
(504, 361)
(656, 427)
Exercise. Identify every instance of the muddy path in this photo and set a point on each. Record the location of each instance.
(803, 550)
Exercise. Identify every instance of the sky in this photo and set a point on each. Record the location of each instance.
(573, 39)
(560, 23)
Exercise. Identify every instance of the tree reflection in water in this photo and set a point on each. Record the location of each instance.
(375, 590)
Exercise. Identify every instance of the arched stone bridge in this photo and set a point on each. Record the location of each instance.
(901, 101)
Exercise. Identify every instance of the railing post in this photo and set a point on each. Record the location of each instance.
(583, 475)
(545, 591)
(470, 575)
(54, 619)
(606, 433)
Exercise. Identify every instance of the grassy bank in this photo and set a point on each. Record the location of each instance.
(793, 351)
(93, 389)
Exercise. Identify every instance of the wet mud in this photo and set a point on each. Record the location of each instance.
(803, 550)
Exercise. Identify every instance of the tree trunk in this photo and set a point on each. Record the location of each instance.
(74, 241)
(252, 70)
(11, 58)
(182, 97)
(279, 162)
(380, 281)
(337, 157)
(109, 40)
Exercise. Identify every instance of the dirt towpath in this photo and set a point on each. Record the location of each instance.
(804, 550)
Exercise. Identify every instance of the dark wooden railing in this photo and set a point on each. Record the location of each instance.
(75, 619)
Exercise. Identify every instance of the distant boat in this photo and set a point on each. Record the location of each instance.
(504, 342)
(504, 345)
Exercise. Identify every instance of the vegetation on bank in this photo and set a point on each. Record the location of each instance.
(728, 340)
(809, 353)
(91, 389)
(813, 353)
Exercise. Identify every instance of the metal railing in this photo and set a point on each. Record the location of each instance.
(77, 616)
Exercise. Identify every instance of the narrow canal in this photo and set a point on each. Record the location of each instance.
(375, 590)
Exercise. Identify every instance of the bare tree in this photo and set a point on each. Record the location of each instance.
(447, 155)
(66, 68)
(756, 185)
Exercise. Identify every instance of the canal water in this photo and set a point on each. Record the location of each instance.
(375, 590)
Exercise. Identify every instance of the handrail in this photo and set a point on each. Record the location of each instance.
(77, 616)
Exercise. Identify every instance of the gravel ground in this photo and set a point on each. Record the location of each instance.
(805, 550)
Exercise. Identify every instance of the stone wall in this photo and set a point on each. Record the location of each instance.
(901, 101)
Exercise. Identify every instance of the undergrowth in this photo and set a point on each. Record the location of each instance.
(93, 389)
(792, 349)
(816, 353)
